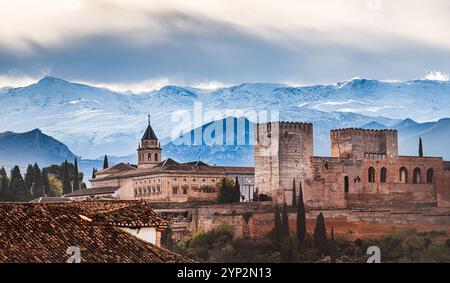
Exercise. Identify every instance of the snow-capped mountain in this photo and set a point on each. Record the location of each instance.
(435, 136)
(96, 121)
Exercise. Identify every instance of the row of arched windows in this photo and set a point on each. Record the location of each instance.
(149, 157)
(403, 175)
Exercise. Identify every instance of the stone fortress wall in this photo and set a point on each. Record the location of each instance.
(364, 169)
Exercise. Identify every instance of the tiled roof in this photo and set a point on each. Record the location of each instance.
(171, 166)
(119, 167)
(132, 216)
(37, 232)
(50, 199)
(149, 134)
(93, 191)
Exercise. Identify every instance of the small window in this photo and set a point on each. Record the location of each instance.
(346, 184)
(403, 175)
(371, 175)
(416, 176)
(383, 175)
(430, 176)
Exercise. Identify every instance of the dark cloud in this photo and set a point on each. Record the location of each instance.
(196, 49)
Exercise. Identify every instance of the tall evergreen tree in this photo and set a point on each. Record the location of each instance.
(76, 176)
(67, 186)
(94, 172)
(294, 194)
(285, 222)
(278, 229)
(4, 185)
(46, 183)
(37, 190)
(105, 162)
(17, 186)
(333, 251)
(29, 177)
(320, 236)
(227, 191)
(4, 188)
(301, 220)
(236, 191)
(3, 172)
(420, 148)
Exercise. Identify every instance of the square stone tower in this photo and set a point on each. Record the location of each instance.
(283, 151)
(358, 143)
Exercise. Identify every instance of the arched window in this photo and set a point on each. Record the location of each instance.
(156, 156)
(383, 175)
(371, 175)
(430, 176)
(346, 184)
(149, 157)
(403, 175)
(416, 176)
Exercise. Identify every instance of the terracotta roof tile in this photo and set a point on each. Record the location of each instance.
(42, 232)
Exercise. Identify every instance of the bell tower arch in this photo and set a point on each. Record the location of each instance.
(149, 149)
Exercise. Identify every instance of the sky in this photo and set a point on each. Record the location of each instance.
(141, 45)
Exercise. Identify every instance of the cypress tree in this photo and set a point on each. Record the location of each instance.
(236, 191)
(278, 230)
(67, 187)
(333, 251)
(17, 186)
(29, 177)
(320, 236)
(46, 183)
(3, 172)
(37, 189)
(294, 194)
(105, 162)
(4, 188)
(285, 222)
(94, 172)
(76, 176)
(420, 148)
(301, 220)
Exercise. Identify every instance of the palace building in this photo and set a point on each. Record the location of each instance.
(364, 169)
(163, 181)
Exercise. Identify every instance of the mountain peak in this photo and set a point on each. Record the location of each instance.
(406, 123)
(50, 79)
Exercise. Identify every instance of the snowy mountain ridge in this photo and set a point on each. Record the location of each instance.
(94, 121)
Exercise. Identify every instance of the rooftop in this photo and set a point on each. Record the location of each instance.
(171, 166)
(42, 232)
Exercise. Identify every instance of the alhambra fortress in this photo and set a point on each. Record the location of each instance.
(365, 188)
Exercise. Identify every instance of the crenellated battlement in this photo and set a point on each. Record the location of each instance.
(286, 125)
(362, 132)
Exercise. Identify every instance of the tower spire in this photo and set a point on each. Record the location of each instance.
(148, 115)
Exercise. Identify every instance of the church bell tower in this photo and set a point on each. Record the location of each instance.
(149, 149)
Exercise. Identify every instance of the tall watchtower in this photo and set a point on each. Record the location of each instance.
(149, 149)
(283, 152)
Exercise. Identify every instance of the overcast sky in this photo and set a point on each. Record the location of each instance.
(138, 45)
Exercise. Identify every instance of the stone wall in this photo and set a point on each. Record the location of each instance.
(282, 153)
(355, 143)
(347, 223)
